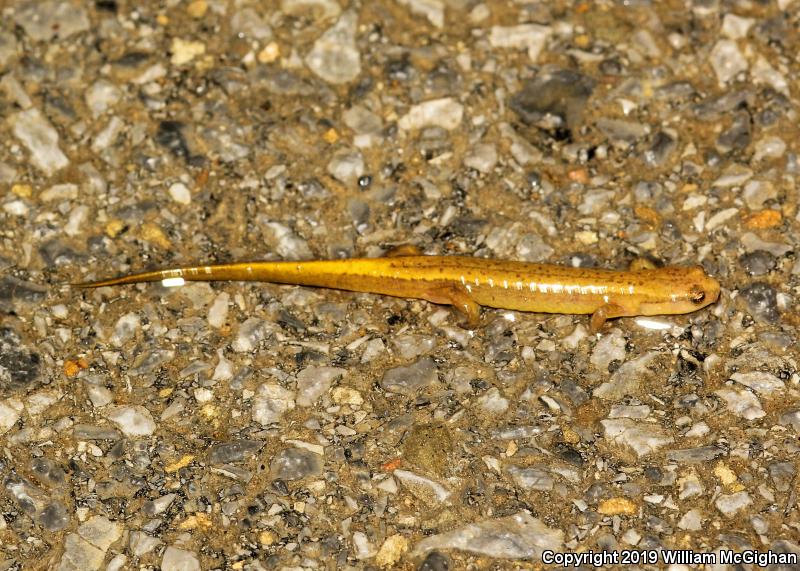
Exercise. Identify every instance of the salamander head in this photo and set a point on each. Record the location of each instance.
(681, 290)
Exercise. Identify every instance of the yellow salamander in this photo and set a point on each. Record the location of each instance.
(469, 283)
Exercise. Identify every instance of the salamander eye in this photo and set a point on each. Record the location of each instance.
(697, 295)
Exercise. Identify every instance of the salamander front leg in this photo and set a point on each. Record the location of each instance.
(602, 314)
(641, 264)
(457, 296)
(403, 250)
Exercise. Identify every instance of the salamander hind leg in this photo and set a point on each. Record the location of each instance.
(457, 296)
(602, 314)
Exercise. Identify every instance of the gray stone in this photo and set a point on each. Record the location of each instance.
(40, 138)
(627, 378)
(727, 61)
(234, 451)
(46, 20)
(176, 559)
(334, 56)
(346, 166)
(271, 402)
(482, 158)
(80, 555)
(760, 382)
(411, 379)
(641, 437)
(729, 504)
(133, 421)
(295, 464)
(445, 113)
(519, 536)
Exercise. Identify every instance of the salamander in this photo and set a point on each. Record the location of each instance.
(467, 283)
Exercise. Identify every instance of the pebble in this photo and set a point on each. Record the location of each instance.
(141, 543)
(692, 520)
(296, 464)
(346, 166)
(753, 243)
(80, 555)
(100, 532)
(493, 402)
(518, 536)
(125, 329)
(729, 504)
(363, 547)
(627, 378)
(433, 10)
(530, 37)
(10, 411)
(47, 20)
(411, 379)
(423, 488)
(532, 478)
(736, 27)
(742, 403)
(642, 438)
(610, 347)
(762, 301)
(289, 245)
(248, 23)
(727, 61)
(159, 505)
(271, 402)
(482, 158)
(346, 395)
(234, 451)
(760, 382)
(412, 346)
(313, 382)
(249, 335)
(101, 96)
(445, 113)
(218, 312)
(757, 192)
(532, 248)
(757, 263)
(391, 551)
(180, 193)
(791, 418)
(184, 51)
(19, 367)
(771, 147)
(133, 421)
(617, 506)
(41, 140)
(335, 57)
(176, 559)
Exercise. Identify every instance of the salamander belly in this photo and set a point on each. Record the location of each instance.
(540, 297)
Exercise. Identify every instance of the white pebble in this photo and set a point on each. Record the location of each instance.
(727, 60)
(180, 193)
(132, 420)
(224, 369)
(16, 208)
(203, 395)
(218, 312)
(445, 113)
